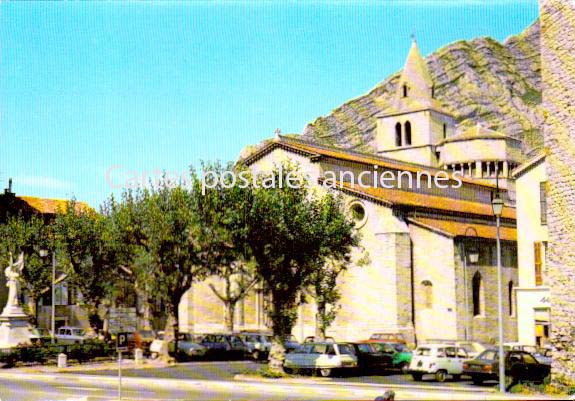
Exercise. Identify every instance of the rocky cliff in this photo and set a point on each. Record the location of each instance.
(482, 80)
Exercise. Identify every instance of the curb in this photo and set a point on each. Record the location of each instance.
(329, 382)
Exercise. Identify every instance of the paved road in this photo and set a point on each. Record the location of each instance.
(66, 387)
(226, 370)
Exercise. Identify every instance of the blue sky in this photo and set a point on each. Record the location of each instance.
(135, 87)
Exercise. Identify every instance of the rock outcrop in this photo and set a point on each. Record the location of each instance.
(482, 80)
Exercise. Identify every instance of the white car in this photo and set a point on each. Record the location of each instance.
(440, 360)
(321, 357)
(473, 348)
(71, 335)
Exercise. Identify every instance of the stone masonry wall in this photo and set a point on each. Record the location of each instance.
(558, 80)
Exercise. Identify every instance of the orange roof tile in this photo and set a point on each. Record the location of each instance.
(458, 228)
(415, 199)
(50, 206)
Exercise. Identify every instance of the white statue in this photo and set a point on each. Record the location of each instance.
(12, 273)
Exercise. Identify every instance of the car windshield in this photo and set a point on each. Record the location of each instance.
(423, 352)
(488, 355)
(346, 349)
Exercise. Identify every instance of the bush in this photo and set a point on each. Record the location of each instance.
(89, 350)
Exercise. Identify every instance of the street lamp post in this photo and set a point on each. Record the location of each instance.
(497, 204)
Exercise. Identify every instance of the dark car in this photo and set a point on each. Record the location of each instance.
(370, 360)
(291, 344)
(224, 346)
(519, 365)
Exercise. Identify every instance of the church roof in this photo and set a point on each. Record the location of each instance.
(314, 150)
(478, 132)
(453, 228)
(416, 200)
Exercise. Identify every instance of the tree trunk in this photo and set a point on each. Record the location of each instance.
(319, 326)
(229, 315)
(277, 354)
(170, 335)
(283, 305)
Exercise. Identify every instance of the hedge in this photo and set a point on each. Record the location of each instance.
(88, 350)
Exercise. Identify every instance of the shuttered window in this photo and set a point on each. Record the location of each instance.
(538, 263)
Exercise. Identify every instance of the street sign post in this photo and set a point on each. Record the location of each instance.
(121, 346)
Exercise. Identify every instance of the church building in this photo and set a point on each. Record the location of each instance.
(431, 270)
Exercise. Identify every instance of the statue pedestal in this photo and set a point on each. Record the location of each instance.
(14, 327)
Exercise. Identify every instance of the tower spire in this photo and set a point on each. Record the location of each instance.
(415, 83)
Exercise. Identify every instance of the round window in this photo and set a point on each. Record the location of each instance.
(358, 214)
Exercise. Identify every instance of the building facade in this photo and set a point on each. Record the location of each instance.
(533, 300)
(422, 204)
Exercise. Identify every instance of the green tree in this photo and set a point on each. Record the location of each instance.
(292, 232)
(29, 236)
(87, 247)
(166, 243)
(225, 208)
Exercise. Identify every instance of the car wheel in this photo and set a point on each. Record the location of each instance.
(256, 355)
(440, 376)
(403, 367)
(417, 376)
(326, 372)
(477, 380)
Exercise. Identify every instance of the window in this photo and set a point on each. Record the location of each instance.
(427, 292)
(450, 352)
(345, 349)
(529, 359)
(538, 263)
(433, 91)
(444, 131)
(404, 90)
(398, 134)
(543, 201)
(407, 133)
(510, 297)
(423, 352)
(478, 296)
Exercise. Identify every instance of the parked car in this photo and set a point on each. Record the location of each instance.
(400, 353)
(39, 335)
(473, 348)
(370, 360)
(71, 335)
(290, 343)
(187, 344)
(323, 358)
(258, 345)
(439, 360)
(227, 346)
(519, 365)
(543, 355)
(388, 337)
(313, 339)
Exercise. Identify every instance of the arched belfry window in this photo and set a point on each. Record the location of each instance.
(478, 295)
(404, 90)
(427, 293)
(398, 134)
(407, 133)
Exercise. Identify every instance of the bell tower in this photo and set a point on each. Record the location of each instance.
(415, 121)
